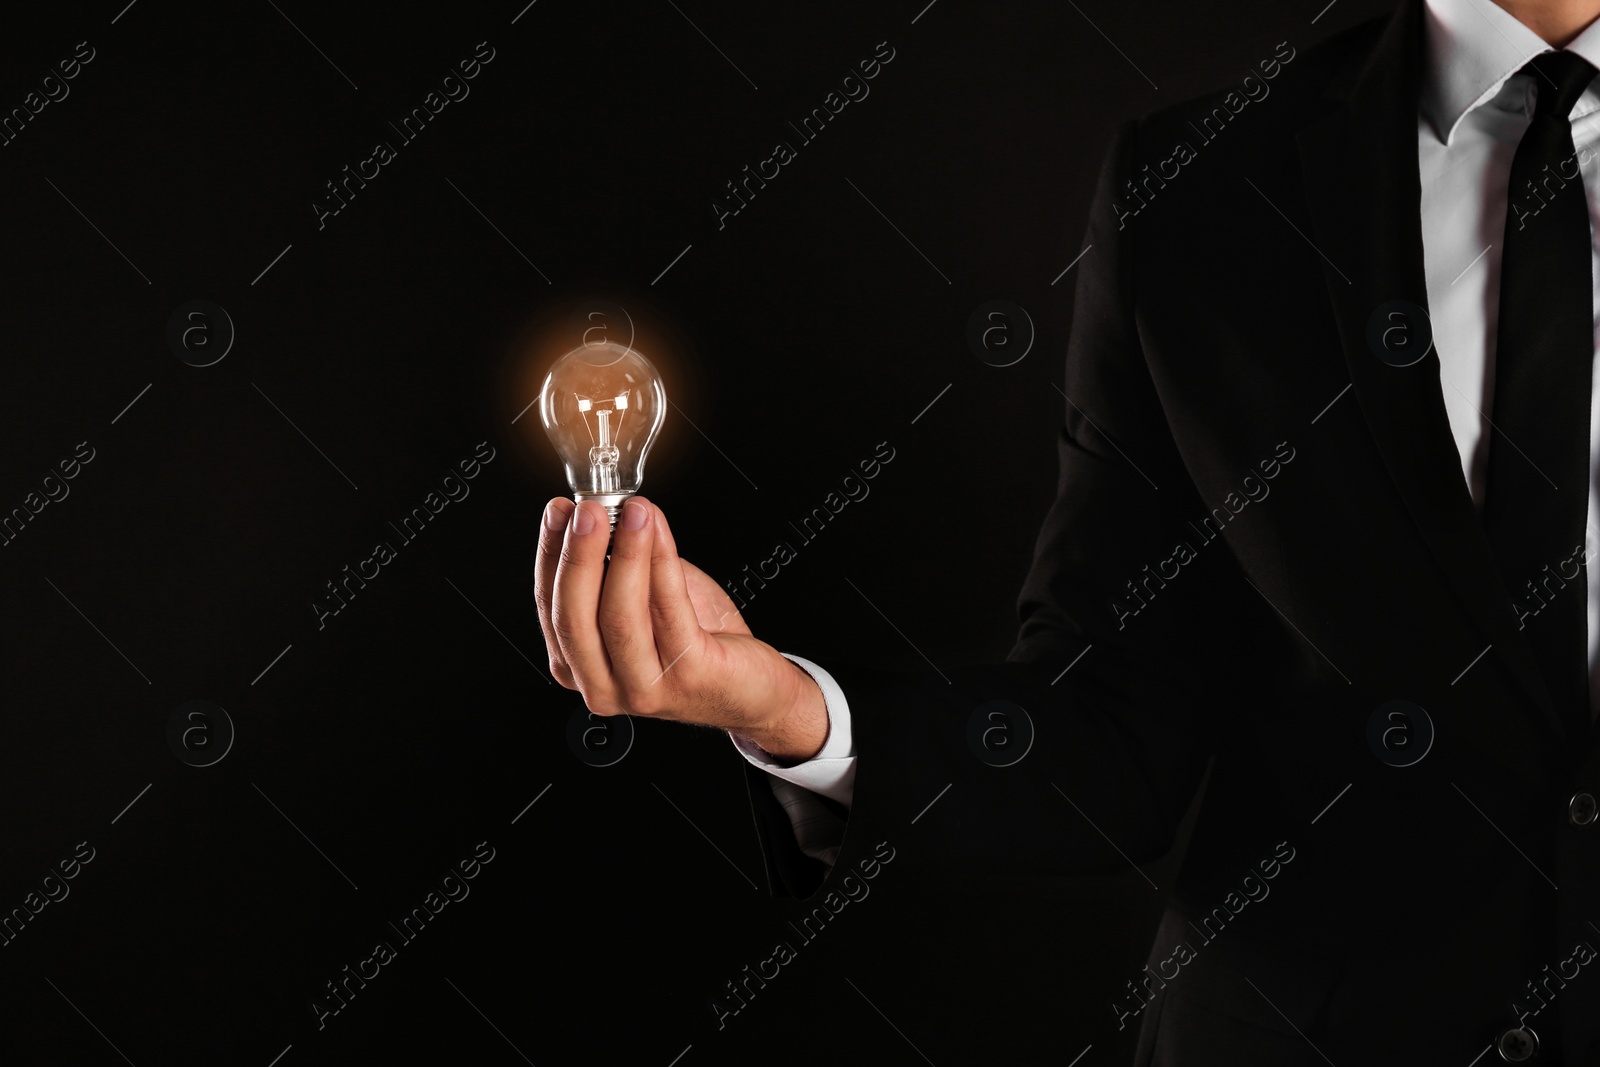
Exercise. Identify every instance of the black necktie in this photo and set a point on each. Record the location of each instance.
(1536, 507)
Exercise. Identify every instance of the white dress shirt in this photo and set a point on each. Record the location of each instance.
(1473, 111)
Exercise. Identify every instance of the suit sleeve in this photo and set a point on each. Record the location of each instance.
(1113, 667)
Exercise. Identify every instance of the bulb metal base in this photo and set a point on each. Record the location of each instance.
(612, 502)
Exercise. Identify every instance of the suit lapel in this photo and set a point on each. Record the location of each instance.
(1359, 163)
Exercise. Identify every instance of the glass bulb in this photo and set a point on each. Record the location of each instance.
(602, 405)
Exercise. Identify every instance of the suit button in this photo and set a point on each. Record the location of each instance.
(1581, 810)
(1517, 1045)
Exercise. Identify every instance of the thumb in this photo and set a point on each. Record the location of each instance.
(716, 610)
(672, 614)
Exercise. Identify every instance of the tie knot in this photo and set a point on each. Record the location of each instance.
(1561, 78)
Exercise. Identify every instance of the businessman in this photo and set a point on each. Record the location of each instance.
(1323, 525)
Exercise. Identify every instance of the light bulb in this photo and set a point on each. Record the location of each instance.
(602, 405)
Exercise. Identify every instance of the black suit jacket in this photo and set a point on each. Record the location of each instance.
(1262, 537)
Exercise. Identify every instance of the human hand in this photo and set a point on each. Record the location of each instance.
(652, 635)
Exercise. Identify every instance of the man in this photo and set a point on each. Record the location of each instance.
(1325, 481)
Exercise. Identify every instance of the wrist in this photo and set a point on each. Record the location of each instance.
(797, 731)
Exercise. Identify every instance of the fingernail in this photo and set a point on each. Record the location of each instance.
(555, 518)
(633, 515)
(582, 521)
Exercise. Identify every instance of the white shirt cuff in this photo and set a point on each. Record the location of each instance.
(832, 771)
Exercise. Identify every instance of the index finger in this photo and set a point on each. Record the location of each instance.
(552, 530)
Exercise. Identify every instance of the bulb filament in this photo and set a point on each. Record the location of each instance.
(604, 454)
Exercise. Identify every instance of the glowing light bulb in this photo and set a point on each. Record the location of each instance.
(602, 405)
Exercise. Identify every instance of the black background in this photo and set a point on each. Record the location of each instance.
(815, 324)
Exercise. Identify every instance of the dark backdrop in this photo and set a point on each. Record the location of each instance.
(369, 355)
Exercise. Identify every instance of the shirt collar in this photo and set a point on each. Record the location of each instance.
(1473, 47)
